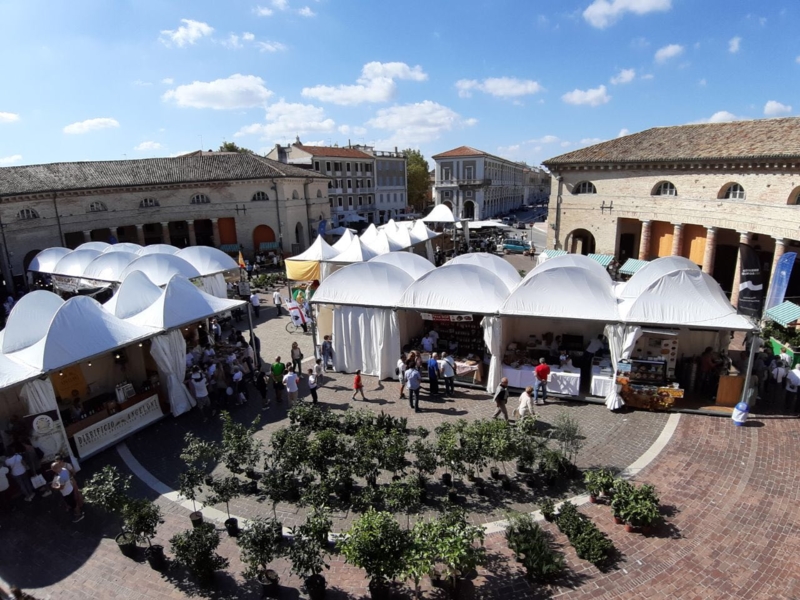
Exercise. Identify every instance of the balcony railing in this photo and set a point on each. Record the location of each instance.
(463, 182)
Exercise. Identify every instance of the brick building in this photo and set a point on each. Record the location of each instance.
(224, 199)
(693, 190)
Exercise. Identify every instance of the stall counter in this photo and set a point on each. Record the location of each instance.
(560, 381)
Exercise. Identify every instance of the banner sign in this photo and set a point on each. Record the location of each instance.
(117, 426)
(321, 227)
(448, 318)
(780, 280)
(67, 380)
(751, 287)
(47, 434)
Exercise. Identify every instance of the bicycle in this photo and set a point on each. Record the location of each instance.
(292, 328)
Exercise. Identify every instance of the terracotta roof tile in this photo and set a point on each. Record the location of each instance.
(763, 139)
(333, 152)
(461, 151)
(191, 168)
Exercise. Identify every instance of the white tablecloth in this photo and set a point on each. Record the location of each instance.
(567, 383)
(602, 385)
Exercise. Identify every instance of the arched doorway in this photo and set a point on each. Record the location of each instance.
(263, 234)
(580, 241)
(469, 210)
(299, 237)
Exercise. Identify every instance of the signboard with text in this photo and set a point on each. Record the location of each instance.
(117, 426)
(447, 318)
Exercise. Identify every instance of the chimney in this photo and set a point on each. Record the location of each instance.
(348, 143)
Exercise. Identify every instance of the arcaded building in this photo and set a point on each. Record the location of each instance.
(693, 190)
(222, 199)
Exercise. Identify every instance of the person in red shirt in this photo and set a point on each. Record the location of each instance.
(540, 385)
(358, 386)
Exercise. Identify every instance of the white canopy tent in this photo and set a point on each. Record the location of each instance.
(207, 260)
(46, 260)
(382, 244)
(75, 263)
(366, 330)
(29, 320)
(14, 373)
(133, 296)
(355, 252)
(343, 242)
(400, 236)
(99, 246)
(495, 264)
(369, 234)
(158, 249)
(108, 266)
(160, 268)
(653, 271)
(306, 266)
(570, 260)
(440, 214)
(413, 264)
(123, 247)
(490, 224)
(456, 289)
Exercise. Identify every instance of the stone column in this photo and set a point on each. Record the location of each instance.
(140, 234)
(192, 234)
(644, 241)
(744, 238)
(165, 239)
(711, 250)
(677, 239)
(215, 232)
(780, 248)
(87, 236)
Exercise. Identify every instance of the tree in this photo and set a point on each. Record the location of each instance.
(418, 179)
(232, 147)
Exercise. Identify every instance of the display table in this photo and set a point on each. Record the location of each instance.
(601, 385)
(464, 368)
(563, 382)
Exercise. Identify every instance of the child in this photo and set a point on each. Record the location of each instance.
(318, 370)
(312, 385)
(358, 386)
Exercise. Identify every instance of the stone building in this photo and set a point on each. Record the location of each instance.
(477, 185)
(225, 199)
(696, 191)
(365, 184)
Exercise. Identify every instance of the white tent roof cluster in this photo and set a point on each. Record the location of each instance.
(45, 333)
(669, 291)
(98, 261)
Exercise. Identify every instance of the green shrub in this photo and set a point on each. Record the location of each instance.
(533, 547)
(195, 550)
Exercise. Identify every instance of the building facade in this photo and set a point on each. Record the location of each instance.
(366, 185)
(477, 185)
(221, 199)
(696, 191)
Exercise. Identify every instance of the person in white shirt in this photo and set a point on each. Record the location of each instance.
(525, 403)
(318, 371)
(255, 301)
(792, 386)
(434, 335)
(19, 471)
(427, 344)
(277, 301)
(400, 373)
(447, 367)
(201, 392)
(779, 373)
(290, 382)
(312, 385)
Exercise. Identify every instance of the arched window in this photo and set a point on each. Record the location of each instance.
(97, 206)
(665, 188)
(26, 214)
(295, 195)
(200, 199)
(260, 197)
(584, 187)
(319, 193)
(148, 203)
(732, 191)
(794, 197)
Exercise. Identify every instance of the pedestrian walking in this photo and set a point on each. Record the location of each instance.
(400, 371)
(261, 388)
(501, 399)
(312, 385)
(327, 352)
(277, 301)
(318, 370)
(239, 386)
(290, 381)
(525, 403)
(297, 358)
(19, 471)
(278, 369)
(63, 483)
(447, 367)
(433, 374)
(413, 382)
(64, 465)
(201, 393)
(358, 385)
(255, 301)
(542, 372)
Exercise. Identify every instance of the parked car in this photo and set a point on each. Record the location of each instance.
(512, 246)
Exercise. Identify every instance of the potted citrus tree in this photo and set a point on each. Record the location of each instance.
(420, 557)
(142, 518)
(455, 541)
(223, 490)
(307, 553)
(190, 485)
(108, 489)
(533, 547)
(196, 550)
(259, 546)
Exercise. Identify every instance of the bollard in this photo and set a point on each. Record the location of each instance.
(740, 414)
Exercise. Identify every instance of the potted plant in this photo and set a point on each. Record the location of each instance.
(454, 540)
(223, 490)
(500, 447)
(190, 485)
(567, 432)
(424, 462)
(641, 509)
(377, 544)
(526, 444)
(318, 525)
(402, 496)
(473, 448)
(307, 554)
(240, 449)
(548, 508)
(533, 547)
(142, 517)
(195, 549)
(420, 556)
(108, 489)
(598, 481)
(448, 449)
(259, 547)
(623, 491)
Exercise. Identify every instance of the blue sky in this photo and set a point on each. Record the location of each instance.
(528, 80)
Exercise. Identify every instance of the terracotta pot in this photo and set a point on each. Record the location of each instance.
(617, 520)
(592, 499)
(629, 528)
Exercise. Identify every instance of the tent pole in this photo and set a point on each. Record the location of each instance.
(748, 376)
(257, 361)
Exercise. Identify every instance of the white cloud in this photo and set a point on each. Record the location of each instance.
(168, 80)
(10, 160)
(306, 12)
(91, 125)
(667, 52)
(602, 13)
(186, 34)
(500, 87)
(775, 109)
(624, 76)
(722, 116)
(237, 91)
(566, 144)
(348, 130)
(280, 4)
(140, 83)
(623, 132)
(8, 117)
(271, 46)
(590, 141)
(286, 120)
(647, 76)
(412, 124)
(547, 139)
(797, 60)
(232, 42)
(733, 44)
(376, 84)
(592, 97)
(702, 82)
(542, 21)
(262, 11)
(248, 37)
(144, 146)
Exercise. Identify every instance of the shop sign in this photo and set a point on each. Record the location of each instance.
(47, 434)
(448, 318)
(117, 426)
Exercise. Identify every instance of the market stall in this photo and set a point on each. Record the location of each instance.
(500, 267)
(306, 266)
(413, 264)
